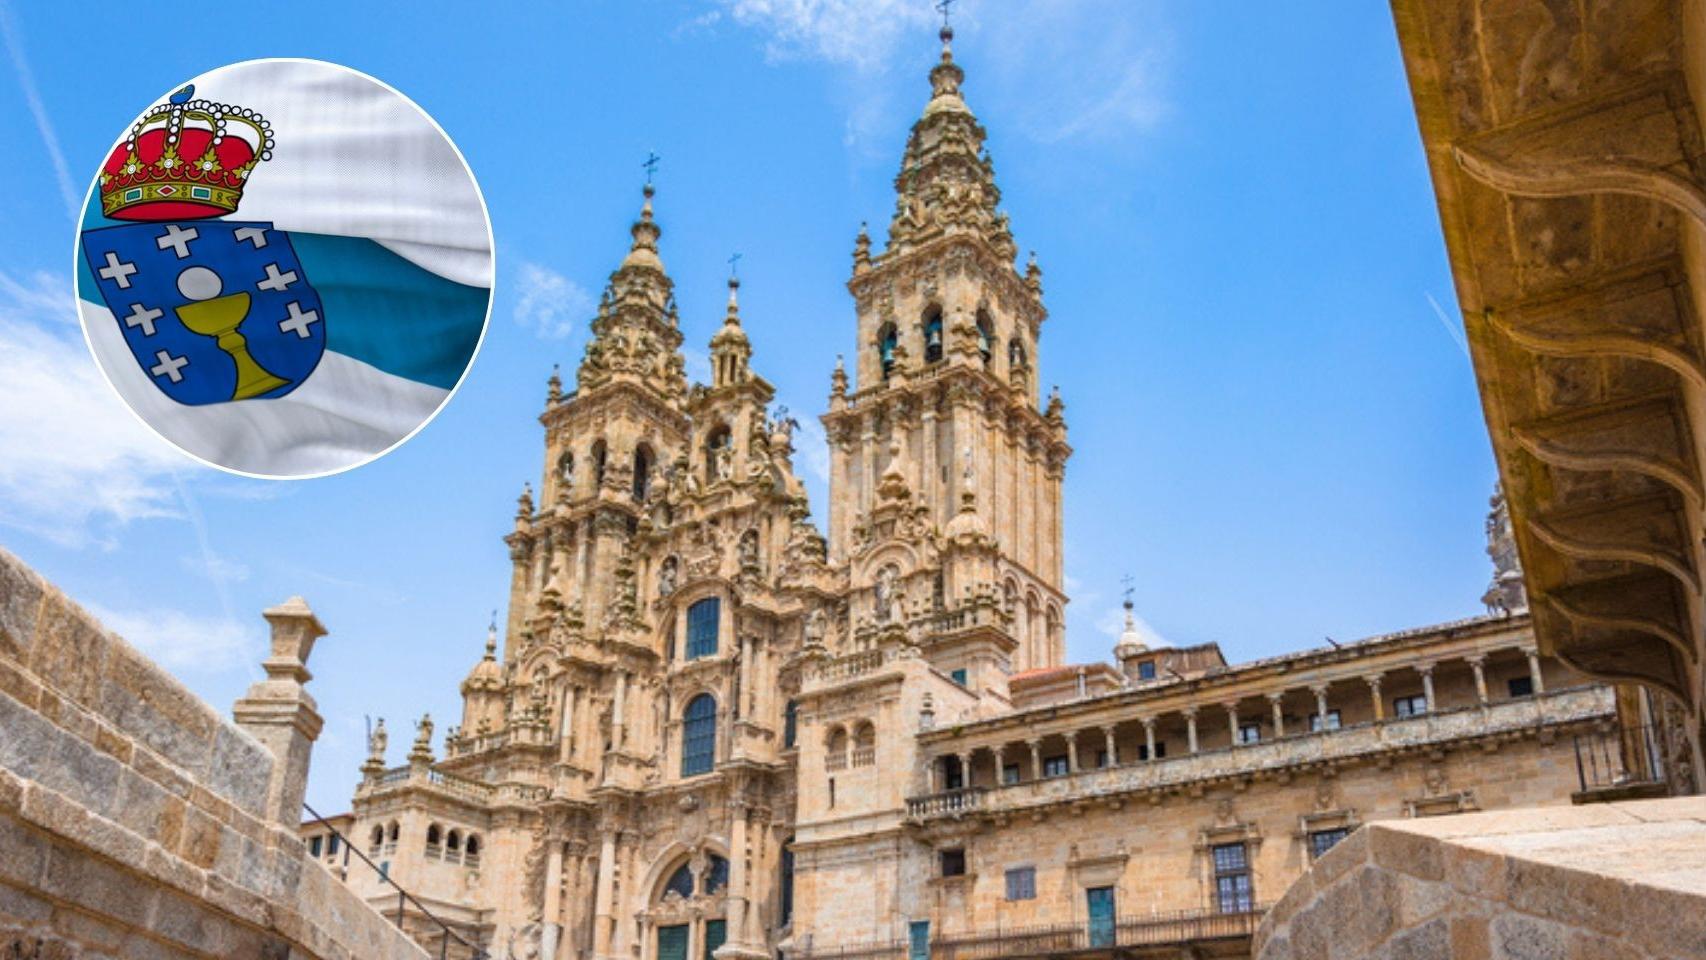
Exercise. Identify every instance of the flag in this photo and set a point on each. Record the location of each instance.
(285, 269)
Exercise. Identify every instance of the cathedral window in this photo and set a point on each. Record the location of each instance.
(672, 942)
(433, 838)
(786, 908)
(933, 335)
(471, 850)
(698, 735)
(702, 625)
(1055, 766)
(642, 472)
(1146, 670)
(790, 723)
(1333, 721)
(716, 875)
(835, 749)
(888, 338)
(716, 934)
(985, 336)
(680, 882)
(377, 841)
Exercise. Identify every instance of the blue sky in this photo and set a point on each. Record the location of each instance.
(1277, 434)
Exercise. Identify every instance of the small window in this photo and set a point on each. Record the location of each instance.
(702, 626)
(1022, 883)
(954, 863)
(680, 882)
(385, 870)
(332, 845)
(1101, 759)
(1055, 766)
(1410, 706)
(1320, 841)
(1010, 773)
(933, 335)
(790, 723)
(717, 876)
(1333, 722)
(313, 846)
(887, 340)
(1249, 733)
(1146, 670)
(953, 776)
(985, 336)
(1520, 686)
(1160, 750)
(698, 735)
(1232, 889)
(958, 676)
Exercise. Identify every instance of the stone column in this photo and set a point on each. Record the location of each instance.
(279, 713)
(1478, 663)
(1534, 670)
(1000, 752)
(1112, 748)
(553, 929)
(1036, 759)
(1320, 691)
(1191, 728)
(737, 899)
(1427, 672)
(1279, 713)
(1149, 739)
(1232, 721)
(565, 729)
(1072, 752)
(1374, 694)
(618, 709)
(965, 770)
(747, 647)
(603, 918)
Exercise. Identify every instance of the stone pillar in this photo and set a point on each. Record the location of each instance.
(1320, 691)
(1149, 739)
(965, 769)
(1232, 721)
(1279, 713)
(737, 898)
(618, 709)
(1534, 670)
(603, 918)
(1191, 728)
(1000, 752)
(1427, 672)
(1072, 752)
(553, 927)
(279, 713)
(1478, 663)
(1112, 748)
(1036, 759)
(1374, 694)
(566, 728)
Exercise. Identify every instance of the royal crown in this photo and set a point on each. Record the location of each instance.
(186, 159)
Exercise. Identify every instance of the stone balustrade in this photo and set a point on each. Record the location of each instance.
(1572, 705)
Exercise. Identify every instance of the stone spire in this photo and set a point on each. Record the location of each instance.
(636, 335)
(730, 349)
(947, 181)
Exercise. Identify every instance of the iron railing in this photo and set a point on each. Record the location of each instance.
(1061, 939)
(404, 898)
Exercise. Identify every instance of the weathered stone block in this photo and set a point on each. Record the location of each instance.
(70, 649)
(21, 593)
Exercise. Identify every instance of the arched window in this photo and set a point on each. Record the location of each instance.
(471, 850)
(391, 832)
(985, 335)
(434, 835)
(716, 875)
(453, 841)
(835, 749)
(642, 472)
(566, 470)
(377, 841)
(887, 339)
(699, 736)
(865, 744)
(680, 882)
(933, 334)
(790, 723)
(1015, 354)
(702, 624)
(598, 452)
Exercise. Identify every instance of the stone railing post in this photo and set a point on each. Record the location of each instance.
(279, 712)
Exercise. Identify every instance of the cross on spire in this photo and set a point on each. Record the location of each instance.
(945, 7)
(1126, 582)
(734, 271)
(651, 165)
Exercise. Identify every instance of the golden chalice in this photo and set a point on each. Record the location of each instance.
(218, 317)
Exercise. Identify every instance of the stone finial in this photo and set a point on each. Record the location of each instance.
(554, 387)
(294, 630)
(1034, 275)
(421, 751)
(377, 739)
(279, 713)
(862, 250)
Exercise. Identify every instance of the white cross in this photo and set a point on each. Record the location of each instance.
(255, 235)
(299, 320)
(118, 271)
(169, 366)
(177, 238)
(142, 317)
(276, 280)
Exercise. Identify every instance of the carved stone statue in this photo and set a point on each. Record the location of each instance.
(377, 740)
(666, 577)
(886, 589)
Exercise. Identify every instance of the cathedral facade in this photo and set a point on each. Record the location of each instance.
(708, 727)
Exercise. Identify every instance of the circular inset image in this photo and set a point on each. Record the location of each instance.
(284, 268)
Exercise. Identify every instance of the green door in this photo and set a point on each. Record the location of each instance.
(672, 942)
(716, 931)
(1101, 902)
(919, 938)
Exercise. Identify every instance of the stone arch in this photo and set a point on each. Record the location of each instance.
(864, 744)
(599, 456)
(719, 451)
(886, 345)
(674, 856)
(930, 331)
(644, 460)
(985, 335)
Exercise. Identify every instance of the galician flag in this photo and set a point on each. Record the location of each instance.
(285, 268)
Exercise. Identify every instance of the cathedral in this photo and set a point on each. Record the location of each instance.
(708, 727)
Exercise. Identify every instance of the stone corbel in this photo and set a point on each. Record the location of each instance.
(1573, 177)
(1648, 437)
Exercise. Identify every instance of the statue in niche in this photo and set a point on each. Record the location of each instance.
(886, 590)
(816, 626)
(666, 577)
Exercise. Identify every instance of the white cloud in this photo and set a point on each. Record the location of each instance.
(1112, 623)
(183, 642)
(554, 306)
(862, 34)
(77, 462)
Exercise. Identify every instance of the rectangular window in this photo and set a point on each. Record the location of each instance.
(1010, 773)
(702, 627)
(716, 934)
(1054, 766)
(1022, 883)
(332, 845)
(1232, 890)
(313, 846)
(1249, 733)
(1160, 750)
(790, 723)
(1520, 686)
(959, 676)
(1321, 841)
(1410, 706)
(954, 863)
(672, 942)
(953, 777)
(1332, 721)
(1146, 670)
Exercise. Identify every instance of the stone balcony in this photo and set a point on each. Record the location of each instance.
(450, 785)
(1151, 935)
(1362, 741)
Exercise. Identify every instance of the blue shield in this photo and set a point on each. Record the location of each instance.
(213, 310)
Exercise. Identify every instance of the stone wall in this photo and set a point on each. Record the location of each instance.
(134, 818)
(1622, 880)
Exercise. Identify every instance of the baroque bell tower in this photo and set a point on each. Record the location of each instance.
(945, 468)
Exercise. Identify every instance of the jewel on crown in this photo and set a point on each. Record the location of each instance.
(186, 159)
